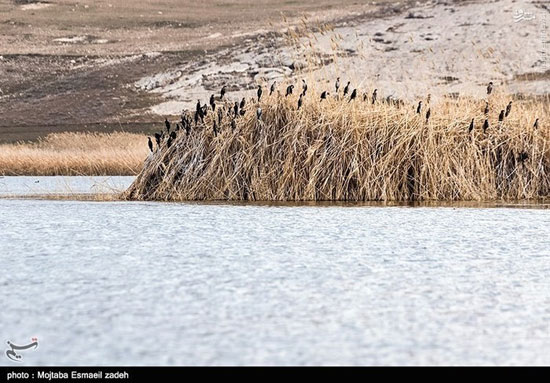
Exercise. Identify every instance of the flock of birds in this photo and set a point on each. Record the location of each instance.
(236, 110)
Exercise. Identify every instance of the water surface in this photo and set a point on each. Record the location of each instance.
(165, 283)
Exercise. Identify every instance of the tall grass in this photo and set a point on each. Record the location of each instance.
(76, 154)
(356, 151)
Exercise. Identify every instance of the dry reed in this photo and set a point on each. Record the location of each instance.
(75, 154)
(356, 151)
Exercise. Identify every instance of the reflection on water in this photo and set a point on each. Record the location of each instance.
(168, 283)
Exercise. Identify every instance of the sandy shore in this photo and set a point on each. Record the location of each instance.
(441, 47)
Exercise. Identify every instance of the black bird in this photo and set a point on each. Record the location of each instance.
(150, 143)
(337, 85)
(471, 126)
(508, 109)
(177, 127)
(242, 104)
(300, 102)
(212, 102)
(198, 106)
(304, 87)
(167, 124)
(490, 88)
(485, 125)
(289, 90)
(215, 128)
(173, 135)
(236, 108)
(536, 124)
(324, 95)
(260, 91)
(486, 111)
(353, 95)
(501, 116)
(233, 124)
(242, 112)
(428, 114)
(419, 108)
(197, 116)
(222, 93)
(365, 96)
(157, 138)
(272, 89)
(169, 141)
(259, 113)
(346, 89)
(374, 96)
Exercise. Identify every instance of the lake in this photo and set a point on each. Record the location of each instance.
(142, 283)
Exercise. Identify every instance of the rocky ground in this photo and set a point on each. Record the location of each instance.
(111, 65)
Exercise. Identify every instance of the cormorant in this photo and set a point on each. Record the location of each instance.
(337, 85)
(353, 95)
(536, 124)
(236, 108)
(150, 143)
(346, 89)
(222, 93)
(289, 90)
(508, 109)
(374, 96)
(304, 87)
(272, 89)
(259, 113)
(485, 125)
(501, 116)
(490, 87)
(157, 139)
(471, 126)
(300, 102)
(198, 106)
(428, 114)
(260, 91)
(419, 108)
(212, 102)
(167, 123)
(486, 111)
(324, 95)
(242, 104)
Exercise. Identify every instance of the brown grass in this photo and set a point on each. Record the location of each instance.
(355, 151)
(75, 154)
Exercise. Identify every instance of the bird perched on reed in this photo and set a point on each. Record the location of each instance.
(259, 92)
(167, 124)
(485, 126)
(236, 108)
(158, 137)
(471, 126)
(212, 102)
(501, 116)
(337, 84)
(300, 101)
(490, 88)
(242, 104)
(353, 95)
(324, 95)
(419, 107)
(289, 90)
(508, 109)
(428, 114)
(150, 144)
(304, 87)
(222, 93)
(346, 88)
(259, 113)
(374, 96)
(486, 111)
(198, 105)
(536, 124)
(215, 128)
(272, 89)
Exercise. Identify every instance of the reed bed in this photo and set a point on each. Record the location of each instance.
(75, 154)
(341, 150)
